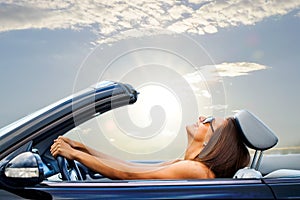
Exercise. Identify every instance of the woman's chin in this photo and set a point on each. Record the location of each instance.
(189, 128)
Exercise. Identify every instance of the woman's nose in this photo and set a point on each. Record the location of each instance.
(202, 118)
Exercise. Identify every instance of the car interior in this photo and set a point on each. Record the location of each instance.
(257, 136)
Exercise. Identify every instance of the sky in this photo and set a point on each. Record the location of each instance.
(188, 58)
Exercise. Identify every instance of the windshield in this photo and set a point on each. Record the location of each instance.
(185, 58)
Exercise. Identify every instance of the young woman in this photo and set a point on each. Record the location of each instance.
(214, 149)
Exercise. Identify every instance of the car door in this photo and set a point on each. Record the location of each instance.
(158, 189)
(285, 188)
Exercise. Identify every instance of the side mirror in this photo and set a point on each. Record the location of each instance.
(24, 170)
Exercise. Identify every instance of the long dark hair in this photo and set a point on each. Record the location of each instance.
(225, 152)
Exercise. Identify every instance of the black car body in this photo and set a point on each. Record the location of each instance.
(25, 145)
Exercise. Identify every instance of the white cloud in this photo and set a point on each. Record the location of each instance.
(214, 73)
(215, 107)
(210, 29)
(238, 68)
(112, 18)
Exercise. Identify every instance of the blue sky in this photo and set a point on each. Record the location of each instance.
(49, 50)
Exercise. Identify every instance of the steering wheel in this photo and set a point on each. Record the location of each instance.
(68, 168)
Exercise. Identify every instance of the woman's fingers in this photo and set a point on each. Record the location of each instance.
(67, 140)
(53, 149)
(60, 147)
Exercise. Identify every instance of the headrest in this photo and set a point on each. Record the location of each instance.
(256, 134)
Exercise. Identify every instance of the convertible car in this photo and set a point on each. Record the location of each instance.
(27, 167)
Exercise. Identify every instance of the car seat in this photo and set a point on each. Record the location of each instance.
(257, 136)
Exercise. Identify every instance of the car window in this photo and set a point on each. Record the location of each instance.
(104, 133)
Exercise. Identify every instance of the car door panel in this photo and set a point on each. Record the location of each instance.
(212, 189)
(285, 188)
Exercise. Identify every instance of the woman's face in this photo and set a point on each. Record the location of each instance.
(201, 133)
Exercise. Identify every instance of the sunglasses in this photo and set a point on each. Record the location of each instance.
(210, 121)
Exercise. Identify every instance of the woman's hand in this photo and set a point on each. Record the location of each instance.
(74, 144)
(63, 146)
(69, 141)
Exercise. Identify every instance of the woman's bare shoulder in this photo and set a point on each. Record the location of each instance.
(194, 169)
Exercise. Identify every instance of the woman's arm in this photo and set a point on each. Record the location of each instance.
(118, 169)
(115, 170)
(81, 147)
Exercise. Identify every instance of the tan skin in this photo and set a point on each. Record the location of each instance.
(114, 168)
